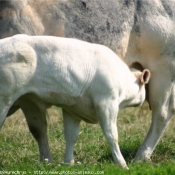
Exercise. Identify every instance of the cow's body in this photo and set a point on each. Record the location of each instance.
(137, 30)
(88, 81)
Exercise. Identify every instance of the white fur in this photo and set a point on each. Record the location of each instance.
(89, 82)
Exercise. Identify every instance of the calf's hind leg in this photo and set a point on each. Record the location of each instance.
(71, 131)
(5, 105)
(37, 123)
(13, 108)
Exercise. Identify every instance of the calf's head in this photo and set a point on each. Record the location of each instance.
(138, 92)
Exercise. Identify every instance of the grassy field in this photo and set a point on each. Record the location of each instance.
(19, 151)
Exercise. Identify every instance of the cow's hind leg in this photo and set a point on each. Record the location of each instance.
(37, 123)
(71, 131)
(162, 99)
(107, 115)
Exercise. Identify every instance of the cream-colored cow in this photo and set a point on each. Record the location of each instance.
(89, 81)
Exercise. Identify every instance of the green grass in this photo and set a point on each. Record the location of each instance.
(19, 151)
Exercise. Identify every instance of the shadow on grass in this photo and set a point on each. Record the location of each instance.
(165, 151)
(127, 152)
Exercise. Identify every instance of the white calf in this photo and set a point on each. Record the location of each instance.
(88, 81)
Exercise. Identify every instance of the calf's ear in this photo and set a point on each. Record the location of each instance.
(145, 76)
